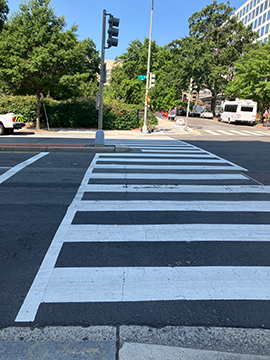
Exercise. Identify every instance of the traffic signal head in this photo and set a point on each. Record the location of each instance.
(113, 31)
(152, 81)
(184, 97)
(192, 84)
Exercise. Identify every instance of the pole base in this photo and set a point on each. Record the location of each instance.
(99, 139)
(144, 129)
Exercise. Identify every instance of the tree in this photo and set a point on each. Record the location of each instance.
(38, 55)
(124, 79)
(4, 10)
(216, 40)
(252, 78)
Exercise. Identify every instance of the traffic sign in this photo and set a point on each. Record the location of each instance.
(142, 77)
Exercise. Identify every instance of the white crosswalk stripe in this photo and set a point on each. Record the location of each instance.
(232, 132)
(151, 176)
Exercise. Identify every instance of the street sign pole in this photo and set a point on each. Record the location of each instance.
(144, 129)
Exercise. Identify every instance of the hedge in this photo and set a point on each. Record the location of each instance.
(75, 113)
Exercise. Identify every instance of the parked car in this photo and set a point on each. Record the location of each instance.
(9, 122)
(197, 110)
(207, 114)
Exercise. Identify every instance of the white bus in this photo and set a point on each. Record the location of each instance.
(239, 111)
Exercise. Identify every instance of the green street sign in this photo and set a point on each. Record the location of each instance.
(142, 77)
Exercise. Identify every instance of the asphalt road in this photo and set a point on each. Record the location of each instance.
(34, 202)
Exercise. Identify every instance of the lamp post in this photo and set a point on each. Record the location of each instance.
(144, 129)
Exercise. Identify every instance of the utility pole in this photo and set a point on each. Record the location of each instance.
(144, 129)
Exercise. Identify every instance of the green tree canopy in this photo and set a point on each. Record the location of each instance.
(252, 78)
(124, 81)
(4, 10)
(39, 55)
(216, 40)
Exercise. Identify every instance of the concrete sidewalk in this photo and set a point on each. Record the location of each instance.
(134, 343)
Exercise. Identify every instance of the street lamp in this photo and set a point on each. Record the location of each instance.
(144, 129)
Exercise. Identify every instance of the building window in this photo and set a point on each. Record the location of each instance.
(247, 7)
(268, 15)
(264, 18)
(257, 10)
(258, 31)
(265, 5)
(265, 39)
(255, 23)
(254, 3)
(261, 8)
(240, 14)
(266, 29)
(244, 11)
(262, 31)
(253, 14)
(260, 21)
(250, 4)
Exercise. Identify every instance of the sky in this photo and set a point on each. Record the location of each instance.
(170, 19)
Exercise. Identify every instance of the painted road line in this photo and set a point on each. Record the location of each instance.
(14, 170)
(166, 147)
(191, 151)
(225, 132)
(239, 133)
(5, 167)
(167, 167)
(212, 132)
(34, 296)
(168, 232)
(160, 160)
(251, 133)
(134, 205)
(121, 284)
(179, 189)
(265, 133)
(168, 176)
(150, 156)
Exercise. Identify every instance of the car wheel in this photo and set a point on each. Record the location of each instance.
(2, 129)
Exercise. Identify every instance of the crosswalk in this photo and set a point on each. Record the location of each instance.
(169, 194)
(244, 133)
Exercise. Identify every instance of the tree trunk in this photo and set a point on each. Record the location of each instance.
(213, 103)
(38, 112)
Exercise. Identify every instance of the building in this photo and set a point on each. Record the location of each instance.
(109, 65)
(257, 14)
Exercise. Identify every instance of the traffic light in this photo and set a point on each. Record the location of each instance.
(113, 31)
(193, 86)
(184, 97)
(152, 81)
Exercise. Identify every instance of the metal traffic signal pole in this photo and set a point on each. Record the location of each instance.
(99, 139)
(112, 41)
(144, 129)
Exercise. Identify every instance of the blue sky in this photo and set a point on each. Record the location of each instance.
(170, 18)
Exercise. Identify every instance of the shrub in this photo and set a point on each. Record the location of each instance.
(75, 113)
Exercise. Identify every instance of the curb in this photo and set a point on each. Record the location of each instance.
(65, 148)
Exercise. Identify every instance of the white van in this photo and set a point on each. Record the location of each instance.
(239, 111)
